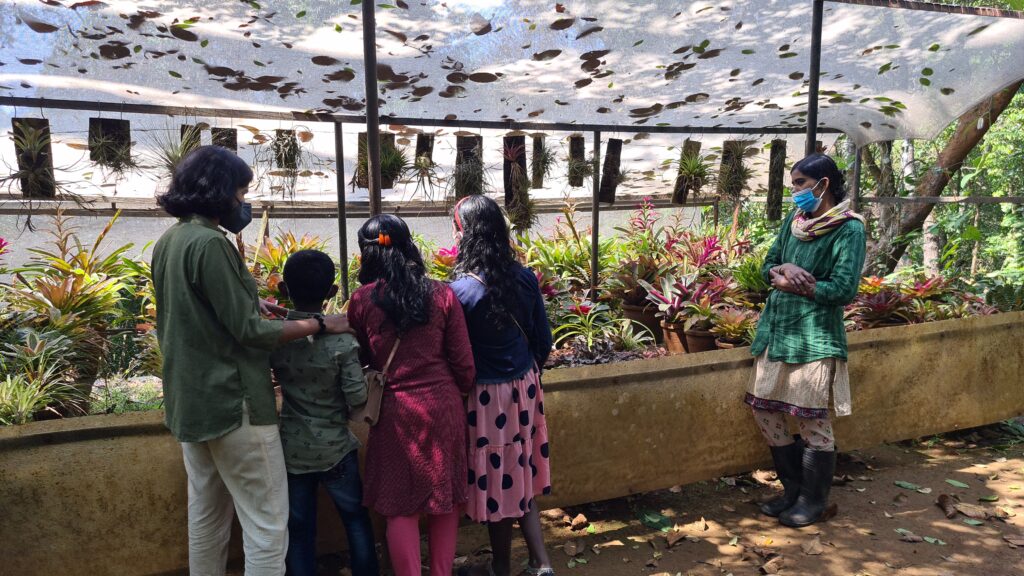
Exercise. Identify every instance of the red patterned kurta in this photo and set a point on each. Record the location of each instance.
(416, 454)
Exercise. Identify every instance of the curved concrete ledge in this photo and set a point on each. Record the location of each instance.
(106, 494)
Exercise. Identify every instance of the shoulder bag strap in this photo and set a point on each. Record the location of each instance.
(387, 365)
(510, 314)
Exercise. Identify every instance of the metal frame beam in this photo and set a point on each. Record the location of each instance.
(152, 109)
(814, 76)
(372, 105)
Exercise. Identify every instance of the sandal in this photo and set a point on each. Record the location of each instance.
(537, 572)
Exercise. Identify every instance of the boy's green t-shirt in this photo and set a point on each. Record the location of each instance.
(321, 382)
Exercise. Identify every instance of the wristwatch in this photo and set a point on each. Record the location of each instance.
(323, 325)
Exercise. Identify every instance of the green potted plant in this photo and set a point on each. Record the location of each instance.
(886, 307)
(670, 300)
(699, 312)
(625, 287)
(733, 327)
(748, 276)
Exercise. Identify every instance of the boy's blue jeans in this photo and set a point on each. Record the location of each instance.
(346, 489)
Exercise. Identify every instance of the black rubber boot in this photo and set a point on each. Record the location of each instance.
(819, 467)
(789, 469)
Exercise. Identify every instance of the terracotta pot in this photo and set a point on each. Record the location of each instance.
(699, 341)
(723, 345)
(675, 341)
(646, 315)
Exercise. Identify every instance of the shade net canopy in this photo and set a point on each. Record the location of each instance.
(885, 73)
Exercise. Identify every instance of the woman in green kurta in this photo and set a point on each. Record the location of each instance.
(815, 268)
(216, 346)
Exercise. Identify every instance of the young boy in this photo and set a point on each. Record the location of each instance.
(321, 383)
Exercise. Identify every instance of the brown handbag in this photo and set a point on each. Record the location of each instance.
(376, 381)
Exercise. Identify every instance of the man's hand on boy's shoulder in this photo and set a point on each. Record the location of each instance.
(337, 324)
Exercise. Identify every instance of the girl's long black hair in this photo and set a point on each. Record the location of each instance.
(485, 250)
(390, 258)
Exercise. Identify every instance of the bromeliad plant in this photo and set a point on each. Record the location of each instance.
(734, 325)
(625, 285)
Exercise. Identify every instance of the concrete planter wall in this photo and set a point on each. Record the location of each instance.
(106, 494)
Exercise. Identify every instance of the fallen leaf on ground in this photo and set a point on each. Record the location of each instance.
(908, 536)
(773, 566)
(956, 483)
(935, 541)
(989, 498)
(654, 520)
(572, 547)
(973, 522)
(1014, 539)
(579, 522)
(555, 514)
(812, 547)
(675, 537)
(907, 485)
(612, 544)
(972, 511)
(675, 489)
(948, 505)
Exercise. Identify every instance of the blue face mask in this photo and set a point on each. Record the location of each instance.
(805, 199)
(239, 217)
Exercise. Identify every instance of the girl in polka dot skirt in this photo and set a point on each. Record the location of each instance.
(511, 339)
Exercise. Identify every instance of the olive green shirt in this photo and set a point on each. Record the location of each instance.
(321, 381)
(215, 345)
(796, 329)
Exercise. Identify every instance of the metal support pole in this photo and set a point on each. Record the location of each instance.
(716, 211)
(339, 161)
(595, 218)
(812, 90)
(372, 109)
(856, 179)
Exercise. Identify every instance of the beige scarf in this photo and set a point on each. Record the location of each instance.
(807, 229)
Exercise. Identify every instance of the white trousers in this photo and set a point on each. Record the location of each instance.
(243, 470)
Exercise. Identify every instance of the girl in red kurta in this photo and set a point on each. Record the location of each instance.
(416, 454)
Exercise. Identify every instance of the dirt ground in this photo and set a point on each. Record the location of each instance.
(881, 528)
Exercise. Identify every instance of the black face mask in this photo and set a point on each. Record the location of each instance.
(239, 217)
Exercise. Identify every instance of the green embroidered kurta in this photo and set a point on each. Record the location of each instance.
(215, 345)
(797, 329)
(321, 381)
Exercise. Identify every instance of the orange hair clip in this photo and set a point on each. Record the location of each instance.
(383, 239)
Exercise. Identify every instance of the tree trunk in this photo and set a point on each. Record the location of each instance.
(933, 182)
(932, 248)
(977, 243)
(610, 173)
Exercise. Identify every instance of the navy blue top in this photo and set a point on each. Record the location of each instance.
(503, 355)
